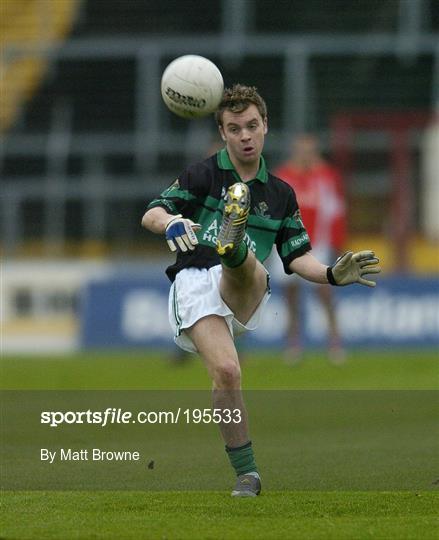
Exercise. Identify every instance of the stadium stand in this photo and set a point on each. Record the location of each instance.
(94, 137)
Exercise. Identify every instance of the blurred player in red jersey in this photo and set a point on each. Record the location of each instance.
(320, 194)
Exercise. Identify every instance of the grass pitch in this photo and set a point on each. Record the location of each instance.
(279, 513)
(365, 370)
(207, 515)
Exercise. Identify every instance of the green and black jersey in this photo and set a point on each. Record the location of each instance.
(198, 194)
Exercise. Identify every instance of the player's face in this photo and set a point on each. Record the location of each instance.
(244, 135)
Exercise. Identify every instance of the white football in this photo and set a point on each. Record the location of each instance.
(192, 86)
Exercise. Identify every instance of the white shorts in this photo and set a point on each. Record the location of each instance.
(276, 268)
(194, 295)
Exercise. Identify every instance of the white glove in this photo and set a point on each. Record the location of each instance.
(180, 233)
(351, 267)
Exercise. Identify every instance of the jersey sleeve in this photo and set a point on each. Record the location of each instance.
(292, 240)
(181, 196)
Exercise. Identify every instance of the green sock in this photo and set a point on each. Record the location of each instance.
(242, 459)
(236, 258)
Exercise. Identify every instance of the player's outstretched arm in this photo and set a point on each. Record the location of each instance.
(349, 268)
(179, 231)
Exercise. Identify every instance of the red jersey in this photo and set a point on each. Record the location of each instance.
(320, 194)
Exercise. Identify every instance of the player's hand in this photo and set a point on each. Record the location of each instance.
(180, 233)
(351, 267)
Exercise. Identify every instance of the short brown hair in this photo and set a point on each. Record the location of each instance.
(237, 99)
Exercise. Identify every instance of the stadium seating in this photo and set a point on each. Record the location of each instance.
(86, 124)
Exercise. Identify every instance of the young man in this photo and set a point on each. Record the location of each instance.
(320, 195)
(223, 216)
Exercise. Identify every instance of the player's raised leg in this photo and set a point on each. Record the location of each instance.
(214, 342)
(244, 279)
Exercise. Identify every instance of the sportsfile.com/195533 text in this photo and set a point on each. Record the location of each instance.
(112, 415)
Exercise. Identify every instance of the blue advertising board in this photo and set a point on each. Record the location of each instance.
(401, 311)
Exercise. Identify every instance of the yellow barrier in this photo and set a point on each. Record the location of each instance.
(28, 22)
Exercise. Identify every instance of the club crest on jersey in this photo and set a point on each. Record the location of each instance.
(261, 210)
